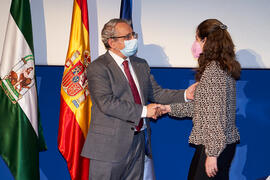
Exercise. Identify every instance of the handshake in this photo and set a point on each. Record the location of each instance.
(156, 110)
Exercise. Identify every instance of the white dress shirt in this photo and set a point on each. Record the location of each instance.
(119, 62)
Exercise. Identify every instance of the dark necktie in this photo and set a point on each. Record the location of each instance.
(134, 90)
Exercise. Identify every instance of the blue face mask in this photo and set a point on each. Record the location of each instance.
(131, 47)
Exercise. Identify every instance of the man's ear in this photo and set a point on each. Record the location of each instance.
(111, 43)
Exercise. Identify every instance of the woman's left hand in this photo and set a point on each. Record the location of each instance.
(211, 166)
(190, 91)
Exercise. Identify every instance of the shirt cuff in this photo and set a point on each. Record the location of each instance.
(185, 97)
(144, 112)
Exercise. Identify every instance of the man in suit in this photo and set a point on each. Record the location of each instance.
(120, 86)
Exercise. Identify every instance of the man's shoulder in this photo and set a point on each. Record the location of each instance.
(138, 60)
(101, 60)
(99, 64)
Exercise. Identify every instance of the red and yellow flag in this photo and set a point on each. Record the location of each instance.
(75, 105)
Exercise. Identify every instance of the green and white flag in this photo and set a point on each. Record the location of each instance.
(21, 136)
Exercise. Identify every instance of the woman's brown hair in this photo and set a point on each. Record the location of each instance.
(218, 47)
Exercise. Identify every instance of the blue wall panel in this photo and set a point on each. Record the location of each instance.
(171, 151)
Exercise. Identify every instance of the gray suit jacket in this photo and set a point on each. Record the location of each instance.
(114, 113)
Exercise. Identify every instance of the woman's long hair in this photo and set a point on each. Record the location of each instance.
(218, 47)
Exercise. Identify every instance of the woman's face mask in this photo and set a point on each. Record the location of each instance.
(196, 49)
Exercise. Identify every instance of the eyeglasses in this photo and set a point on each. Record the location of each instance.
(128, 36)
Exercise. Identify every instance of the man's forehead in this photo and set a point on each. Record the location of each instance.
(123, 28)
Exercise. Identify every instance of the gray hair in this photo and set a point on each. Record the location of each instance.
(108, 30)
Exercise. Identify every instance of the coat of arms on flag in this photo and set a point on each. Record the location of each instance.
(20, 79)
(75, 80)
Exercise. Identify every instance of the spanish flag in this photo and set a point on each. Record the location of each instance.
(75, 105)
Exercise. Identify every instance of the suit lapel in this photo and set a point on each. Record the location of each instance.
(115, 68)
(118, 73)
(138, 72)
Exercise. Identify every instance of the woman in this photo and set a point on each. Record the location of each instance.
(214, 133)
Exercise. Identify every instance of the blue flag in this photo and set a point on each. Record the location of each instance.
(126, 10)
(126, 13)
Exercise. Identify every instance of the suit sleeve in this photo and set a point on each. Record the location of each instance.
(101, 92)
(163, 96)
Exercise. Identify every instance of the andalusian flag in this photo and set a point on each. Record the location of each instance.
(21, 137)
(75, 105)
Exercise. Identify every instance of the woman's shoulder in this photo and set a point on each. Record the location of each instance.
(214, 71)
(212, 65)
(213, 68)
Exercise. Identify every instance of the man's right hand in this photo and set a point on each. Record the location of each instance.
(156, 110)
(152, 111)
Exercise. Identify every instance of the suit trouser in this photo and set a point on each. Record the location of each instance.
(197, 166)
(131, 167)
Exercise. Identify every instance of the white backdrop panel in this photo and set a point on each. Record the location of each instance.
(166, 28)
